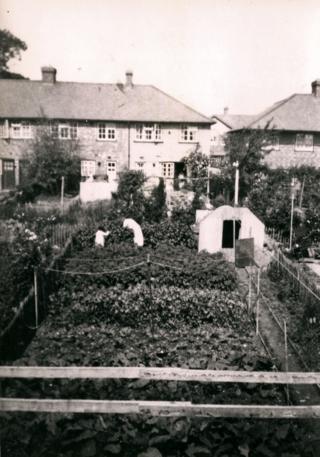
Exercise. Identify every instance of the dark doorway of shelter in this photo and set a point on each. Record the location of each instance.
(227, 234)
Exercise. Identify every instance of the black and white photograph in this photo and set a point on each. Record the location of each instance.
(159, 228)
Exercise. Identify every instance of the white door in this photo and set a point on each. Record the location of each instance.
(112, 170)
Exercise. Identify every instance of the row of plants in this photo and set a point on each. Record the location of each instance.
(137, 305)
(169, 266)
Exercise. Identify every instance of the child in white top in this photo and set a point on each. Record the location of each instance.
(101, 234)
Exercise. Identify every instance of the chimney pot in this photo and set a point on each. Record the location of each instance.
(48, 74)
(129, 76)
(316, 88)
(225, 110)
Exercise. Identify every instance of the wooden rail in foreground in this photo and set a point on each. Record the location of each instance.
(157, 408)
(161, 374)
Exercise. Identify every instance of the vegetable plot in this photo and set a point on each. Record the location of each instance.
(193, 319)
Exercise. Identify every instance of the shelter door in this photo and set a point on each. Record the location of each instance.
(8, 174)
(231, 230)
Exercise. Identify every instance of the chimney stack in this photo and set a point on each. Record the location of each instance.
(129, 76)
(225, 111)
(48, 74)
(316, 88)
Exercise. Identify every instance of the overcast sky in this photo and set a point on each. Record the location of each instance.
(244, 54)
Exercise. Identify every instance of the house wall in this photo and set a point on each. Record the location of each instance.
(92, 148)
(125, 150)
(170, 149)
(286, 156)
(218, 130)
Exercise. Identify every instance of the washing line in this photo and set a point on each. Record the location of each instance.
(88, 273)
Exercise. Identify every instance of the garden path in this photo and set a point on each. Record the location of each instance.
(273, 337)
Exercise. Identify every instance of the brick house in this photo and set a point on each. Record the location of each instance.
(116, 125)
(296, 124)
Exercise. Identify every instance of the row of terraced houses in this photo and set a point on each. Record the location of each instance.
(140, 127)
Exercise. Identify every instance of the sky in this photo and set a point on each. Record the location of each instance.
(209, 54)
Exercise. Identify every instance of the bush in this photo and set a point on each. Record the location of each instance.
(173, 233)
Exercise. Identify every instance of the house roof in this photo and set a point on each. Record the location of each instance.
(24, 99)
(297, 112)
(234, 121)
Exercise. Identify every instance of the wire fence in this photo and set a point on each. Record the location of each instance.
(295, 309)
(59, 234)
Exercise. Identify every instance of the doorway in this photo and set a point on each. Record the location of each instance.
(228, 235)
(8, 176)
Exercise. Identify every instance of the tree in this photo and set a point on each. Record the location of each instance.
(197, 165)
(48, 160)
(247, 147)
(156, 204)
(129, 198)
(10, 48)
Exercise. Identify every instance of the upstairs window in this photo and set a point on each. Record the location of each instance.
(148, 132)
(271, 143)
(65, 131)
(218, 140)
(189, 133)
(20, 130)
(106, 132)
(304, 142)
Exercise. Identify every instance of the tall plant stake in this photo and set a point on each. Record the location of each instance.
(151, 310)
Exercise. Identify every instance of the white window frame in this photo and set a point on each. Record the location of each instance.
(301, 143)
(106, 132)
(88, 167)
(148, 132)
(189, 134)
(167, 169)
(65, 130)
(20, 130)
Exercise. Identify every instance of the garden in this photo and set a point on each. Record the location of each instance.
(162, 305)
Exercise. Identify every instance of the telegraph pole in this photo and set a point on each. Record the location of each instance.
(291, 214)
(236, 202)
(236, 184)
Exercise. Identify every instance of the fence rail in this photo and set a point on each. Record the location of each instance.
(161, 374)
(158, 408)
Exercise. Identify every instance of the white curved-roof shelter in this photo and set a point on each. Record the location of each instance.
(214, 224)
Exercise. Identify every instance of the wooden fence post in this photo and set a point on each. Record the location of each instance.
(36, 310)
(286, 365)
